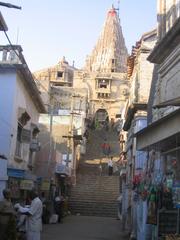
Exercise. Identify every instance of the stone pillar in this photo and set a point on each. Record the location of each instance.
(161, 18)
(4, 55)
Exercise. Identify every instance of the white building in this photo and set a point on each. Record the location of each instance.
(20, 105)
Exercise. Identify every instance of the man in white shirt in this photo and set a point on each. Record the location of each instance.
(110, 166)
(34, 217)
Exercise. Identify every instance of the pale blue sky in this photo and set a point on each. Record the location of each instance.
(50, 29)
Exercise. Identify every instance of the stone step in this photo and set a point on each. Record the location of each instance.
(106, 187)
(98, 180)
(92, 191)
(94, 194)
(96, 209)
(95, 198)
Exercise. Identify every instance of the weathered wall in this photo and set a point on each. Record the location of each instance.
(14, 95)
(168, 12)
(7, 96)
(117, 91)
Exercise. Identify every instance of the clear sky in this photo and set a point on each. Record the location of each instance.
(50, 29)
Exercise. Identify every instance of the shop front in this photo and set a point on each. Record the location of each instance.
(63, 178)
(20, 183)
(162, 180)
(14, 179)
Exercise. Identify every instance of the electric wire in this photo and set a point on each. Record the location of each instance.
(35, 79)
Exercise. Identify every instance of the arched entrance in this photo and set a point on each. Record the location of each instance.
(101, 116)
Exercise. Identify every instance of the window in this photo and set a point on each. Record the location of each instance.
(58, 84)
(59, 74)
(102, 84)
(23, 136)
(99, 95)
(24, 118)
(18, 142)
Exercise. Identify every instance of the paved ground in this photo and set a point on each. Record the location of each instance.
(84, 228)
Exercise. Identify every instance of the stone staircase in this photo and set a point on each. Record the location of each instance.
(96, 194)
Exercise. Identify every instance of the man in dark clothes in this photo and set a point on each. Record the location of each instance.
(58, 206)
(7, 217)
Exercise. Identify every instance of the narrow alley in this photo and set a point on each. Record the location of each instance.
(93, 200)
(89, 132)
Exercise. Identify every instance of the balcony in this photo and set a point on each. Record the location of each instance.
(103, 86)
(103, 95)
(103, 90)
(11, 54)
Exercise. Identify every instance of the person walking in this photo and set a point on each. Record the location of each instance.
(58, 206)
(34, 217)
(110, 166)
(46, 212)
(7, 217)
(21, 223)
(106, 149)
(100, 168)
(97, 124)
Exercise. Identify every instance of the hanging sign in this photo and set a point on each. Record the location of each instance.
(45, 185)
(26, 184)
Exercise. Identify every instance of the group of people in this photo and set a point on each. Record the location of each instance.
(20, 222)
(24, 222)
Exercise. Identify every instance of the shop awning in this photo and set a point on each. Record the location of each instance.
(160, 134)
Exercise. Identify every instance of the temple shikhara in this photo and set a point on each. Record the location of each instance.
(104, 73)
(110, 53)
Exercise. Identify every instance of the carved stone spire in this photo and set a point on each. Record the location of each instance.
(110, 53)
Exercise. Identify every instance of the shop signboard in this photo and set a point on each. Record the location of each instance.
(66, 158)
(26, 184)
(63, 169)
(13, 185)
(45, 185)
(15, 173)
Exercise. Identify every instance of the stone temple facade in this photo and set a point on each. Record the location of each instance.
(58, 76)
(104, 74)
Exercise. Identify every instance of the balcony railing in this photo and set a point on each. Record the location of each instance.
(11, 54)
(103, 90)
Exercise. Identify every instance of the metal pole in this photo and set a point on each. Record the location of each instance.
(9, 5)
(50, 137)
(70, 132)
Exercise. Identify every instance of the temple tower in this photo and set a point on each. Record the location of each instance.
(109, 53)
(104, 74)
